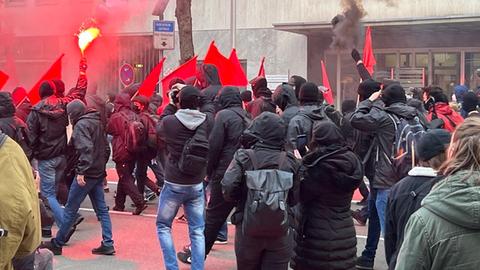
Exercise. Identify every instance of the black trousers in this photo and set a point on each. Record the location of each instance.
(142, 178)
(263, 253)
(126, 185)
(217, 213)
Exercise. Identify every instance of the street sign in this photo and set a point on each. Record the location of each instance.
(127, 75)
(164, 35)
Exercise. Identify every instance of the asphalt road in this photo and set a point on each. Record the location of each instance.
(137, 245)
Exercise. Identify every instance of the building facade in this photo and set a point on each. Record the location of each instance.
(438, 42)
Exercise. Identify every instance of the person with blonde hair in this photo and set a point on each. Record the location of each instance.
(445, 232)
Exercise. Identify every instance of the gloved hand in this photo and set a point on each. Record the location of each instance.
(83, 65)
(172, 96)
(356, 55)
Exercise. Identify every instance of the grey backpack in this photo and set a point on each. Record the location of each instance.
(266, 208)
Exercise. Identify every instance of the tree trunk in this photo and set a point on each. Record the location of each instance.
(183, 13)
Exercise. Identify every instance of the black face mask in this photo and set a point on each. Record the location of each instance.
(430, 103)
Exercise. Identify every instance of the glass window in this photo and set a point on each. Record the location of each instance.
(446, 71)
(405, 60)
(472, 70)
(386, 63)
(421, 60)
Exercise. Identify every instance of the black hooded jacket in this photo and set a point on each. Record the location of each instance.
(210, 82)
(374, 119)
(332, 173)
(47, 122)
(284, 97)
(91, 146)
(13, 126)
(270, 130)
(224, 140)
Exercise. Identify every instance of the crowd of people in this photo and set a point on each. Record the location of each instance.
(282, 165)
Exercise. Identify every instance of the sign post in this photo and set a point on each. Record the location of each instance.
(164, 35)
(127, 75)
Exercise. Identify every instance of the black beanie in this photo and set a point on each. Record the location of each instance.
(59, 88)
(432, 144)
(309, 93)
(174, 81)
(367, 88)
(260, 87)
(189, 98)
(470, 102)
(7, 109)
(47, 88)
(394, 93)
(246, 96)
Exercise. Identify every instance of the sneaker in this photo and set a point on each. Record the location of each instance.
(46, 233)
(106, 189)
(54, 248)
(150, 196)
(357, 216)
(221, 242)
(364, 263)
(185, 256)
(118, 209)
(139, 209)
(103, 250)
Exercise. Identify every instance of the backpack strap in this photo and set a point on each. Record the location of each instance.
(3, 138)
(451, 121)
(244, 120)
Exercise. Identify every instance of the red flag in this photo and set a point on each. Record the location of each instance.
(368, 57)
(148, 85)
(54, 72)
(226, 70)
(328, 95)
(240, 79)
(3, 79)
(261, 71)
(185, 71)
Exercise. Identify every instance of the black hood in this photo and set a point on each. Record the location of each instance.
(208, 75)
(7, 109)
(284, 96)
(132, 89)
(50, 107)
(90, 114)
(269, 129)
(314, 112)
(122, 101)
(75, 110)
(402, 110)
(326, 133)
(229, 96)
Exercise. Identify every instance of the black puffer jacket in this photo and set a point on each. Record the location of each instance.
(327, 238)
(47, 122)
(13, 126)
(230, 122)
(284, 97)
(270, 129)
(370, 117)
(91, 145)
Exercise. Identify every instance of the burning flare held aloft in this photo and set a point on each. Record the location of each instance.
(87, 36)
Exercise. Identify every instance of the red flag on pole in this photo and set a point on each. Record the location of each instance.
(148, 85)
(185, 71)
(368, 56)
(54, 72)
(240, 79)
(261, 71)
(3, 79)
(328, 95)
(224, 65)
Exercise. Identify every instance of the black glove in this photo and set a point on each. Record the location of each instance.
(356, 55)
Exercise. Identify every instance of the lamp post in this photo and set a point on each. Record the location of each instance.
(233, 23)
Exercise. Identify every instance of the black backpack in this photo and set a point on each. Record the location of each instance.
(194, 158)
(266, 207)
(135, 134)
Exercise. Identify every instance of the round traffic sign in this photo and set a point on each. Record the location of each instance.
(127, 75)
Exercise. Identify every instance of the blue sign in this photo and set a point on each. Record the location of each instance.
(127, 75)
(164, 26)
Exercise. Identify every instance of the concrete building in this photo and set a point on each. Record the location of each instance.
(436, 40)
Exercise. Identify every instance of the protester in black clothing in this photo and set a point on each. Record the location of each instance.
(263, 98)
(470, 104)
(93, 101)
(149, 149)
(362, 70)
(327, 237)
(246, 96)
(371, 117)
(123, 158)
(261, 252)
(13, 126)
(22, 103)
(296, 82)
(284, 97)
(224, 140)
(406, 196)
(209, 82)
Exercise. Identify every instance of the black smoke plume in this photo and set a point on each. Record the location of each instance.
(346, 26)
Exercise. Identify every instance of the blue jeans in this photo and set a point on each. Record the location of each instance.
(223, 233)
(193, 201)
(377, 202)
(49, 170)
(94, 189)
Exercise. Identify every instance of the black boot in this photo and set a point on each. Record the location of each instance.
(103, 250)
(50, 245)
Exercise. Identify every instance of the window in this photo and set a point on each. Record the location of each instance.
(446, 71)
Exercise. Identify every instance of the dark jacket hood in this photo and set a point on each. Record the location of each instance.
(457, 199)
(90, 114)
(122, 101)
(326, 133)
(314, 112)
(284, 96)
(7, 109)
(50, 107)
(209, 75)
(229, 97)
(402, 110)
(269, 129)
(75, 110)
